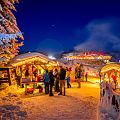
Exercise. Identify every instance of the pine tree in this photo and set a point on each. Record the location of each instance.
(9, 32)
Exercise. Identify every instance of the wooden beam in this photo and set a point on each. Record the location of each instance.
(9, 76)
(21, 76)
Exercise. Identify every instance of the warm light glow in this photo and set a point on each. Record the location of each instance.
(88, 56)
(28, 61)
(51, 57)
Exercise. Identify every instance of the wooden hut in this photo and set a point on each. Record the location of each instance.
(110, 89)
(111, 71)
(32, 61)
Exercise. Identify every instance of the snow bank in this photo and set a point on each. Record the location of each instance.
(78, 104)
(109, 104)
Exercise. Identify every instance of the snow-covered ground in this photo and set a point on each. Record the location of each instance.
(78, 104)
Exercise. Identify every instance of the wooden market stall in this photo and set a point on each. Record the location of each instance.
(110, 89)
(111, 72)
(28, 65)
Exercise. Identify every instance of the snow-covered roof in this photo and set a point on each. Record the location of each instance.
(87, 55)
(30, 57)
(110, 66)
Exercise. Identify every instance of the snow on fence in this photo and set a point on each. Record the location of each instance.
(109, 102)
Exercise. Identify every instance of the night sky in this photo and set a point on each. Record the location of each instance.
(55, 26)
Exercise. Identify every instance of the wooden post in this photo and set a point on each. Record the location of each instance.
(15, 72)
(31, 74)
(9, 76)
(109, 76)
(21, 76)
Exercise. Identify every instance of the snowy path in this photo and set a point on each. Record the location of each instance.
(78, 104)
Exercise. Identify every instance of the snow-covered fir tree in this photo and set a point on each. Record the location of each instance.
(9, 32)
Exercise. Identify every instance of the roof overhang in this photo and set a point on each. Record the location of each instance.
(29, 58)
(110, 66)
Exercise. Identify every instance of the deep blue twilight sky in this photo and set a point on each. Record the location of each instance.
(54, 26)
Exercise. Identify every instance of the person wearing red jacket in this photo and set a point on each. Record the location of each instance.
(114, 80)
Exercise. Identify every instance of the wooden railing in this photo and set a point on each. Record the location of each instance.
(7, 78)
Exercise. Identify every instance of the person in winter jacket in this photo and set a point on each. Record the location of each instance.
(68, 78)
(56, 76)
(46, 81)
(51, 82)
(86, 76)
(79, 74)
(62, 80)
(114, 78)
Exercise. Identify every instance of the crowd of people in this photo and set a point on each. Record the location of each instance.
(80, 74)
(57, 78)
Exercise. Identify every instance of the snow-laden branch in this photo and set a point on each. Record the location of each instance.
(7, 37)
